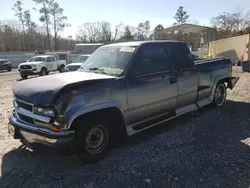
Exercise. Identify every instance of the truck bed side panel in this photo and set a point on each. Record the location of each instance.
(210, 71)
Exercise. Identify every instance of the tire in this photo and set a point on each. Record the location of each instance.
(220, 95)
(43, 72)
(9, 69)
(93, 140)
(24, 76)
(61, 68)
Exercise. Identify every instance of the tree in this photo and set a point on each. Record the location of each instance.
(31, 26)
(128, 33)
(45, 15)
(59, 21)
(95, 32)
(17, 7)
(88, 32)
(143, 30)
(181, 16)
(230, 24)
(118, 29)
(159, 27)
(106, 33)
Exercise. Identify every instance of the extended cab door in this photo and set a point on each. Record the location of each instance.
(186, 73)
(49, 63)
(54, 62)
(151, 85)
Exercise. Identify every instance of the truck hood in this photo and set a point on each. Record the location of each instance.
(29, 63)
(42, 90)
(74, 64)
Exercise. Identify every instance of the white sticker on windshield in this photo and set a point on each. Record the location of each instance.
(127, 49)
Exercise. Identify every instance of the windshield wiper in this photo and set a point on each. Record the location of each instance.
(101, 70)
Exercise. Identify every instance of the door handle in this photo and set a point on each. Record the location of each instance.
(173, 80)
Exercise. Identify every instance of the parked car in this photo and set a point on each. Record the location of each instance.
(77, 63)
(41, 65)
(5, 64)
(121, 88)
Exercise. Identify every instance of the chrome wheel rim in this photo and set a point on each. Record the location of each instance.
(220, 95)
(97, 139)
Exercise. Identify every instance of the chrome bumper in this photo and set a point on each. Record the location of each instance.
(34, 134)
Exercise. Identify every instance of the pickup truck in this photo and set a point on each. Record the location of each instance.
(121, 89)
(41, 65)
(77, 63)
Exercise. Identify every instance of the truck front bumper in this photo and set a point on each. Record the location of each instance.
(33, 134)
(29, 71)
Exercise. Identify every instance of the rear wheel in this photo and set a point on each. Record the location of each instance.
(93, 139)
(61, 68)
(43, 72)
(220, 95)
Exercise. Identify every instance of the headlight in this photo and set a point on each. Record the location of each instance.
(44, 112)
(67, 68)
(34, 65)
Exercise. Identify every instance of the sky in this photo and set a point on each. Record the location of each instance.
(130, 12)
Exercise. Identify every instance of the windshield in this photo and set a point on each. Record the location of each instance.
(35, 59)
(81, 59)
(109, 60)
(3, 61)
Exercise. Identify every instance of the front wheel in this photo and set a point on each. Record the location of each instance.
(9, 69)
(61, 68)
(43, 72)
(24, 76)
(93, 140)
(220, 95)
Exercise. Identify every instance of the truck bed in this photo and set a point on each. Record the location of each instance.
(209, 70)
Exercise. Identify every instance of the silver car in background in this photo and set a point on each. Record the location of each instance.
(77, 63)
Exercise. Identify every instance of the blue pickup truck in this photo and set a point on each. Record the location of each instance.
(121, 89)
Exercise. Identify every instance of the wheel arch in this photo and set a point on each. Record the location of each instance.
(218, 80)
(113, 113)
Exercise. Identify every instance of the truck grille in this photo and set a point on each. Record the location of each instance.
(25, 118)
(24, 105)
(25, 67)
(27, 107)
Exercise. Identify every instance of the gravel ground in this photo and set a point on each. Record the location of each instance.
(208, 148)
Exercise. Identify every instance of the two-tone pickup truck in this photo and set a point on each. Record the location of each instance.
(41, 65)
(121, 88)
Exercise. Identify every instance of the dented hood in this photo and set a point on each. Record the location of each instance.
(42, 90)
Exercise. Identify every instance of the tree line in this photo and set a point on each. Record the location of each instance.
(27, 34)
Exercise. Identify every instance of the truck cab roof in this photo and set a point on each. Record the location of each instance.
(139, 43)
(44, 56)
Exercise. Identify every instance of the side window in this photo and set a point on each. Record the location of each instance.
(151, 59)
(190, 59)
(180, 55)
(53, 58)
(48, 59)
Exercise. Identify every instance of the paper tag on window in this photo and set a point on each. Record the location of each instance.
(127, 49)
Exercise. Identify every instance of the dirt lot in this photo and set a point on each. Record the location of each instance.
(208, 148)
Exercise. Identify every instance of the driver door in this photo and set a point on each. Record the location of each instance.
(151, 84)
(49, 63)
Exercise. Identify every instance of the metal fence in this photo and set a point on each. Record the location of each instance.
(20, 57)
